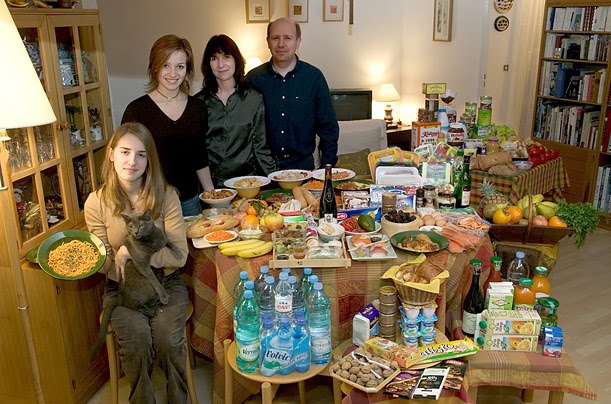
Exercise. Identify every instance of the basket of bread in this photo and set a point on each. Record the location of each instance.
(417, 281)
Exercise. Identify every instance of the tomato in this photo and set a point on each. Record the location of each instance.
(548, 156)
(535, 160)
(555, 153)
(541, 149)
(533, 151)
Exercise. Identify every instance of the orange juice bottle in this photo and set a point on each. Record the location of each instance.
(541, 285)
(523, 295)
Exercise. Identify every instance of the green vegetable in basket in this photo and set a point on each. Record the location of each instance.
(580, 216)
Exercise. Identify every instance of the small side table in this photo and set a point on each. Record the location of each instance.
(400, 137)
(269, 385)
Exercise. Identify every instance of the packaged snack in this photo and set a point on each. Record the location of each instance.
(365, 325)
(392, 351)
(447, 350)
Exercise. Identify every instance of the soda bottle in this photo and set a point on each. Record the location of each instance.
(266, 299)
(305, 279)
(267, 333)
(260, 280)
(298, 304)
(517, 269)
(247, 334)
(319, 320)
(301, 344)
(279, 351)
(283, 297)
(308, 289)
(248, 285)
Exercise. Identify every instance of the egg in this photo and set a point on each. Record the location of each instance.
(441, 222)
(429, 222)
(426, 217)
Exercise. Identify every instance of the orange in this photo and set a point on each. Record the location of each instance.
(555, 221)
(501, 216)
(516, 214)
(249, 222)
(251, 210)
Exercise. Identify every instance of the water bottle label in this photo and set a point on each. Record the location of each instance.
(321, 345)
(284, 304)
(248, 352)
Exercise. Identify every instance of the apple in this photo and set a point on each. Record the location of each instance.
(539, 220)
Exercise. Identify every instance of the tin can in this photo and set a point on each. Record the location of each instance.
(485, 102)
(387, 319)
(386, 330)
(388, 308)
(430, 193)
(388, 295)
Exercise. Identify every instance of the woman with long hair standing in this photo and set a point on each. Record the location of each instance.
(177, 121)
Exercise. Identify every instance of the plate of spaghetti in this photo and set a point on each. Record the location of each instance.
(71, 254)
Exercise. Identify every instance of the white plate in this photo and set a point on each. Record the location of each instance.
(220, 201)
(438, 229)
(200, 243)
(391, 251)
(233, 237)
(230, 182)
(275, 176)
(320, 174)
(367, 233)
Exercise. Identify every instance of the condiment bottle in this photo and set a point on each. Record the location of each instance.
(419, 198)
(548, 311)
(541, 285)
(523, 295)
(495, 272)
(474, 302)
(328, 205)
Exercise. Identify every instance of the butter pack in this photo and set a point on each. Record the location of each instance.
(365, 325)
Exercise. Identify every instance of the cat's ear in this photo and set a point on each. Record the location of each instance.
(147, 214)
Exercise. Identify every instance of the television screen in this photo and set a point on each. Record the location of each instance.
(352, 104)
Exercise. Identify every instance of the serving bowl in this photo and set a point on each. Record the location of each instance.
(219, 201)
(247, 191)
(330, 231)
(391, 228)
(523, 165)
(298, 175)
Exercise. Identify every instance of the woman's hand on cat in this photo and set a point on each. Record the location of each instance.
(120, 259)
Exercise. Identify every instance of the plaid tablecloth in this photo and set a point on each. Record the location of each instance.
(550, 177)
(213, 277)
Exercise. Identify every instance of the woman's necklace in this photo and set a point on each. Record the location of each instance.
(170, 98)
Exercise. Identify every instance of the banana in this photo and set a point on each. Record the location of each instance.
(17, 3)
(235, 250)
(41, 4)
(256, 251)
(242, 243)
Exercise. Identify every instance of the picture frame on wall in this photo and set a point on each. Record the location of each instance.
(442, 21)
(333, 10)
(257, 11)
(297, 10)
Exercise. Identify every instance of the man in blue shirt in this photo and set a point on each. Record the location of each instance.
(297, 100)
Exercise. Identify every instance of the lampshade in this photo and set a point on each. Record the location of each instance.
(23, 101)
(387, 93)
(251, 63)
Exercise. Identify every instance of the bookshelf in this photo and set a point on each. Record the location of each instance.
(572, 105)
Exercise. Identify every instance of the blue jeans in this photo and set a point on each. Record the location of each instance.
(191, 207)
(143, 340)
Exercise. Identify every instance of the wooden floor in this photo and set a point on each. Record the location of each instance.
(581, 281)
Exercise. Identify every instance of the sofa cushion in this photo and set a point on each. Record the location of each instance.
(356, 162)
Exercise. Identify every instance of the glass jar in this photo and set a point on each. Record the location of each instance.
(492, 146)
(389, 201)
(547, 307)
(523, 295)
(445, 201)
(429, 196)
(456, 135)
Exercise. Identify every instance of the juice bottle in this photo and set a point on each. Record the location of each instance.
(541, 285)
(523, 295)
(495, 272)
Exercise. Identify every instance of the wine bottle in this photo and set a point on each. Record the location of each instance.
(465, 194)
(328, 205)
(474, 302)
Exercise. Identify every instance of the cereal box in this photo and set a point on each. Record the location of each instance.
(425, 133)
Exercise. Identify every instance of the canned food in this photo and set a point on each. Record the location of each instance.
(388, 308)
(388, 319)
(485, 102)
(388, 295)
(387, 329)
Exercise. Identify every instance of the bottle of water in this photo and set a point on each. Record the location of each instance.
(260, 280)
(239, 287)
(247, 335)
(267, 333)
(309, 287)
(298, 303)
(301, 344)
(279, 351)
(266, 298)
(283, 297)
(287, 270)
(319, 319)
(305, 279)
(517, 269)
(248, 285)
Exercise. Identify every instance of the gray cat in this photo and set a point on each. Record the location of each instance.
(141, 287)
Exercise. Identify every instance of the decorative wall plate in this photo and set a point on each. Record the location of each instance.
(503, 6)
(501, 23)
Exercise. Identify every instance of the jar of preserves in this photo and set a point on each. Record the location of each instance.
(456, 135)
(523, 295)
(547, 307)
(445, 201)
(429, 196)
(492, 146)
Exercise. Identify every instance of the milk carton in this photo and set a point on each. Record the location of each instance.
(552, 341)
(365, 325)
(499, 296)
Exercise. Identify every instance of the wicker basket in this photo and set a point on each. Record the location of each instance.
(414, 296)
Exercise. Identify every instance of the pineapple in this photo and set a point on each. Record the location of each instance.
(490, 195)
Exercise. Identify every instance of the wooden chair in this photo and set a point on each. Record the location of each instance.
(114, 361)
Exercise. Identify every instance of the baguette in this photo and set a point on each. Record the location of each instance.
(298, 194)
(205, 226)
(310, 198)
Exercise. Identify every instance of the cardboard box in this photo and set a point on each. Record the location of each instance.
(425, 133)
(499, 296)
(365, 325)
(510, 322)
(552, 341)
(489, 342)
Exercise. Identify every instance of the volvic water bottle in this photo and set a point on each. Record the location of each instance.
(517, 269)
(301, 344)
(266, 298)
(260, 280)
(283, 298)
(239, 287)
(287, 270)
(279, 351)
(298, 304)
(309, 287)
(248, 285)
(267, 333)
(247, 334)
(305, 278)
(319, 320)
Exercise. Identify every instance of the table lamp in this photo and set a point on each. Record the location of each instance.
(388, 93)
(23, 103)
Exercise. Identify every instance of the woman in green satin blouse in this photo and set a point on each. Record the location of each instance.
(236, 138)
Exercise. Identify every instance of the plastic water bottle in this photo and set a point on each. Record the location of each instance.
(445, 123)
(309, 287)
(239, 287)
(283, 297)
(266, 298)
(247, 334)
(248, 285)
(298, 303)
(279, 351)
(267, 333)
(287, 271)
(319, 319)
(305, 279)
(301, 344)
(517, 269)
(260, 280)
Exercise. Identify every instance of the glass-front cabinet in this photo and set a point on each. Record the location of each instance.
(53, 168)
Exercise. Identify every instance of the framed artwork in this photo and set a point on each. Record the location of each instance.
(297, 10)
(257, 11)
(333, 10)
(442, 21)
